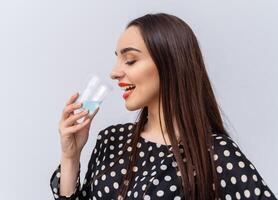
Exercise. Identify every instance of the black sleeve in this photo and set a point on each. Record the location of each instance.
(81, 193)
(238, 178)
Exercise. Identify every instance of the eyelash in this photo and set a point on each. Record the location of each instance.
(130, 62)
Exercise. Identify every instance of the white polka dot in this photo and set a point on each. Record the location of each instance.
(226, 153)
(238, 196)
(160, 193)
(143, 163)
(174, 164)
(113, 173)
(223, 143)
(151, 158)
(103, 177)
(145, 173)
(135, 194)
(219, 169)
(167, 178)
(229, 166)
(215, 156)
(99, 193)
(179, 173)
(106, 189)
(155, 181)
(223, 183)
(121, 129)
(130, 127)
(243, 178)
(123, 171)
(135, 168)
(238, 153)
(228, 197)
(251, 166)
(233, 180)
(247, 193)
(163, 167)
(154, 173)
(147, 197)
(173, 188)
(58, 175)
(267, 193)
(141, 154)
(241, 164)
(161, 154)
(144, 187)
(255, 178)
(257, 191)
(116, 185)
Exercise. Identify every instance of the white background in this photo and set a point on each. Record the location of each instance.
(47, 49)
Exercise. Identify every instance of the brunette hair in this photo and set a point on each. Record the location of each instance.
(185, 93)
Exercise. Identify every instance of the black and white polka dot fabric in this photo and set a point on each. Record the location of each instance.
(156, 168)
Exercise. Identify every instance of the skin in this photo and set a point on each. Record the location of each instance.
(144, 75)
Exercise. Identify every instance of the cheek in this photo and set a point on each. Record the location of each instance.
(148, 81)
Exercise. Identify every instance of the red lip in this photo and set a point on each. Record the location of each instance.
(122, 84)
(126, 94)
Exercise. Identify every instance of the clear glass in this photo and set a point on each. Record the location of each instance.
(95, 92)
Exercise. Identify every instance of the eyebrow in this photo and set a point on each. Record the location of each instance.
(125, 50)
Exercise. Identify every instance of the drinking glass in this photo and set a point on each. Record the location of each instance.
(95, 92)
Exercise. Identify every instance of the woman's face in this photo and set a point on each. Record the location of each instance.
(136, 67)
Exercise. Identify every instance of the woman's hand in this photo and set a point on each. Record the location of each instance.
(73, 136)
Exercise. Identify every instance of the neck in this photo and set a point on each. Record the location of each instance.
(152, 128)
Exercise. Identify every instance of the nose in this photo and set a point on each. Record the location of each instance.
(116, 73)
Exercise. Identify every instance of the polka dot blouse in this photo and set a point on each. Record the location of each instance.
(156, 175)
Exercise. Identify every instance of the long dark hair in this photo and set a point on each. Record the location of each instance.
(186, 94)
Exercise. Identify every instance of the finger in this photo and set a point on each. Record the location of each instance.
(68, 111)
(72, 98)
(94, 113)
(72, 119)
(80, 126)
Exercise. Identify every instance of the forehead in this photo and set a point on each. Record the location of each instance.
(131, 37)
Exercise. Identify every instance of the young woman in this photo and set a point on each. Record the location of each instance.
(178, 149)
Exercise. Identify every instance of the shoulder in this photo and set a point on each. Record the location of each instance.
(236, 173)
(115, 133)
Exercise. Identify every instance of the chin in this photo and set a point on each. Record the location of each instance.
(131, 107)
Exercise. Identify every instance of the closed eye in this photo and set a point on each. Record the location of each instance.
(130, 62)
